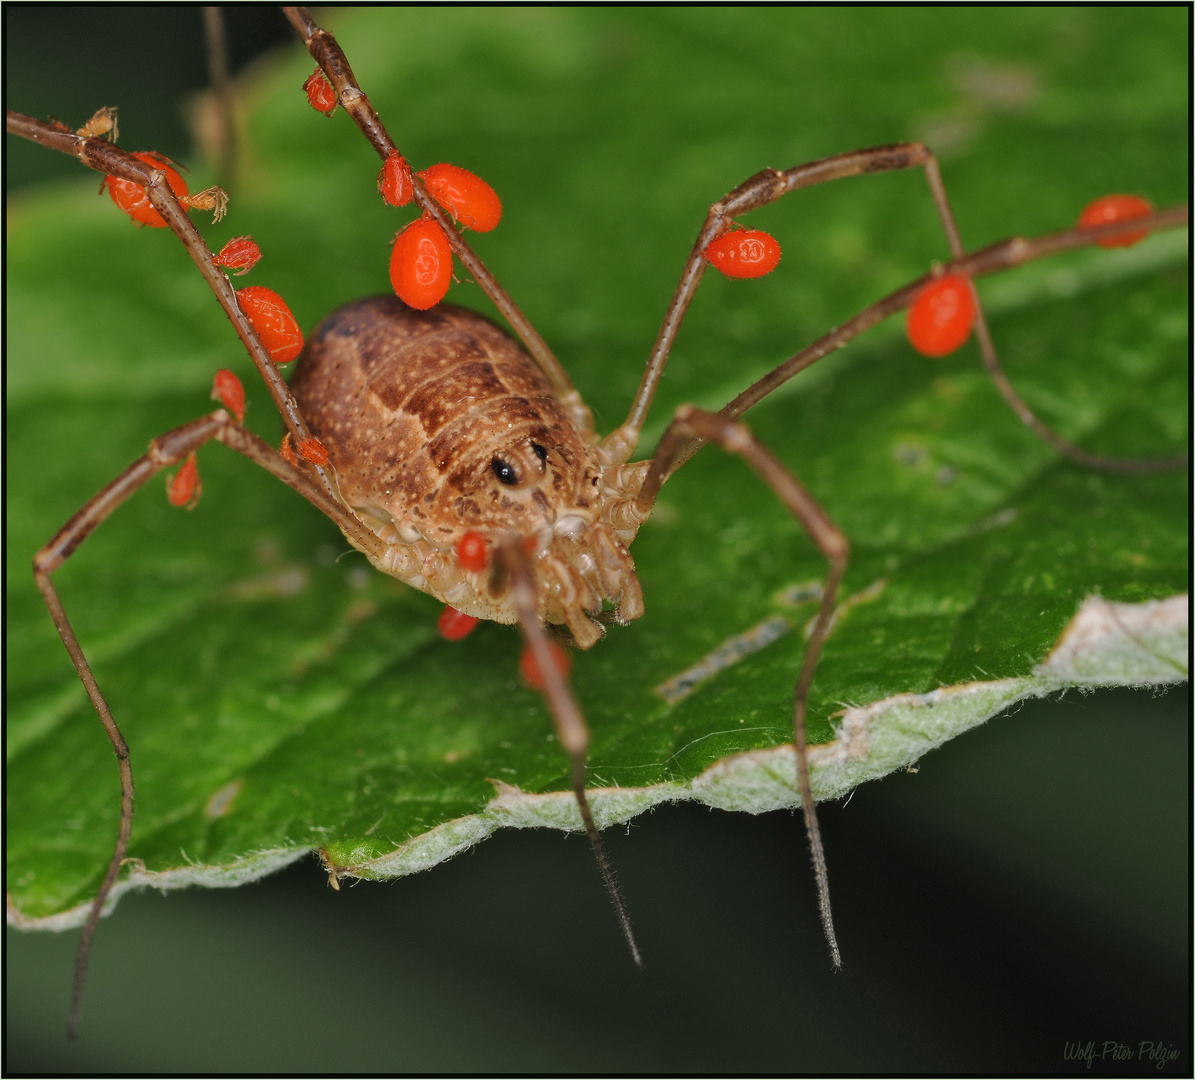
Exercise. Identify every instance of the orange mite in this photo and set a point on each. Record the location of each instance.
(131, 197)
(320, 94)
(1110, 208)
(744, 253)
(467, 197)
(421, 264)
(314, 451)
(394, 181)
(471, 553)
(184, 487)
(942, 316)
(241, 254)
(455, 625)
(529, 668)
(227, 389)
(271, 318)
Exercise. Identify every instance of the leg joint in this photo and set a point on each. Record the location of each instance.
(171, 448)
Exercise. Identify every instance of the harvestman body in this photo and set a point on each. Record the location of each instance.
(438, 424)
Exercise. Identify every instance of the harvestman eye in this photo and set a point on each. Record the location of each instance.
(540, 452)
(505, 472)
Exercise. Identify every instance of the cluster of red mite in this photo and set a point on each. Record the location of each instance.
(939, 321)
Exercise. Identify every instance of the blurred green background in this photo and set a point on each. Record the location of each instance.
(991, 908)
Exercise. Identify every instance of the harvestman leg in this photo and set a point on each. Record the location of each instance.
(759, 190)
(1004, 255)
(164, 451)
(319, 487)
(226, 152)
(771, 185)
(690, 422)
(692, 428)
(570, 725)
(106, 158)
(328, 54)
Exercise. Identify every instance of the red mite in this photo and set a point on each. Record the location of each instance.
(421, 264)
(471, 553)
(467, 197)
(227, 389)
(131, 197)
(239, 255)
(743, 253)
(184, 488)
(1112, 208)
(455, 625)
(314, 451)
(394, 181)
(942, 316)
(271, 318)
(530, 671)
(320, 94)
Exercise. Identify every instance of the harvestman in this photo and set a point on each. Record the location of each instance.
(557, 505)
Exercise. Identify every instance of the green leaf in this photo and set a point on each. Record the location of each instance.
(278, 697)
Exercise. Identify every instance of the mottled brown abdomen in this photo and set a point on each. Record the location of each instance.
(413, 405)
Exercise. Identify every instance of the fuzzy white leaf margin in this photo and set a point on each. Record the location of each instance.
(1105, 644)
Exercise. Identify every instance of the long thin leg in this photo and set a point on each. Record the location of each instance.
(771, 185)
(570, 725)
(167, 450)
(761, 189)
(1030, 419)
(330, 57)
(1004, 255)
(217, 66)
(67, 633)
(102, 156)
(735, 438)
